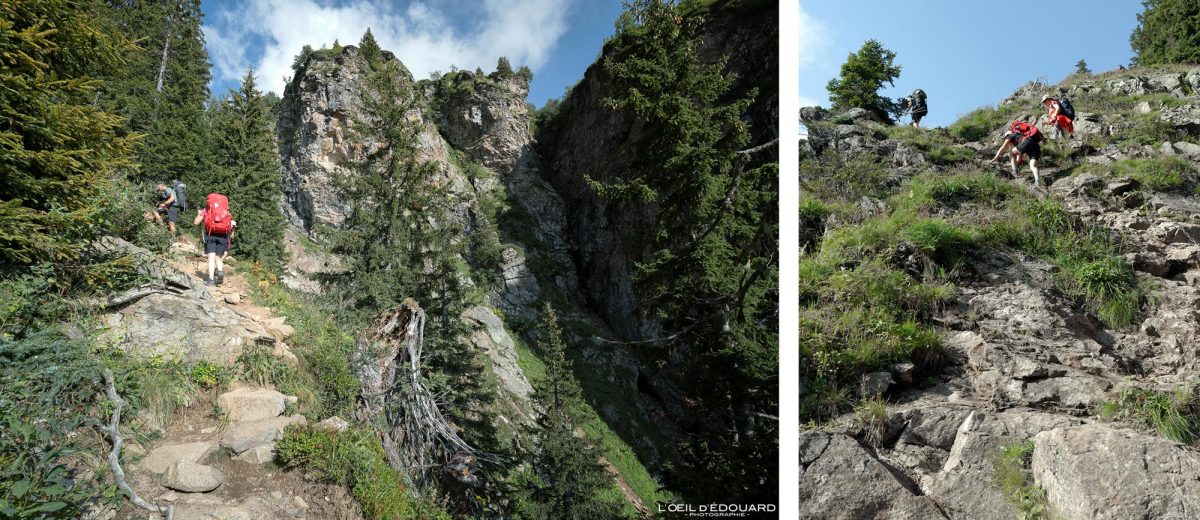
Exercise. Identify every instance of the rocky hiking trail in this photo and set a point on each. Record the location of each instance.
(1030, 363)
(215, 459)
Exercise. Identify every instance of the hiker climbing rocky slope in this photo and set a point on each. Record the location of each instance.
(1001, 349)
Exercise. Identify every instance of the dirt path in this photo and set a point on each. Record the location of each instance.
(253, 486)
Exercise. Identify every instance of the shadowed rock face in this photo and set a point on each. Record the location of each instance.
(1032, 363)
(601, 143)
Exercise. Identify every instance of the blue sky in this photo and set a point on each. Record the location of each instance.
(557, 39)
(964, 54)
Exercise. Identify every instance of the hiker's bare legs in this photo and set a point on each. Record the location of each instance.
(1033, 166)
(212, 262)
(171, 226)
(220, 263)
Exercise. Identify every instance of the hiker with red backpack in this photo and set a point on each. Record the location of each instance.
(218, 228)
(1022, 140)
(1060, 114)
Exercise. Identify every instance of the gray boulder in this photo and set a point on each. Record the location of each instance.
(839, 479)
(190, 477)
(163, 457)
(1095, 472)
(243, 436)
(251, 404)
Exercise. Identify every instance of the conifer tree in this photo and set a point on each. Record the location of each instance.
(570, 476)
(862, 76)
(247, 171)
(1081, 67)
(400, 241)
(57, 150)
(710, 276)
(1168, 32)
(163, 87)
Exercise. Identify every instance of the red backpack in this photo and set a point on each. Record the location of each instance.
(1023, 128)
(217, 219)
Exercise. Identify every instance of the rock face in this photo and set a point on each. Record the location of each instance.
(841, 480)
(1094, 472)
(599, 143)
(175, 316)
(1030, 363)
(319, 107)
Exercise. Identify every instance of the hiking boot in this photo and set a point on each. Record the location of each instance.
(220, 277)
(209, 282)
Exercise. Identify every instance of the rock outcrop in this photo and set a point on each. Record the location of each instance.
(1031, 364)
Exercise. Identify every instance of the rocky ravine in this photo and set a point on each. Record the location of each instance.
(1031, 364)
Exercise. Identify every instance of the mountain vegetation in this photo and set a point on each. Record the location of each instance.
(110, 340)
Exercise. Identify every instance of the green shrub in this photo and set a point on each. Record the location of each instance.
(47, 381)
(1161, 174)
(207, 374)
(1175, 415)
(355, 459)
(835, 178)
(981, 123)
(1011, 473)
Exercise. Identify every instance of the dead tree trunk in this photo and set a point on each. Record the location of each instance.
(416, 436)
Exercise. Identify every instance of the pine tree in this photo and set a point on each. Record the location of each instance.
(861, 77)
(247, 171)
(570, 478)
(400, 241)
(1168, 32)
(1082, 68)
(163, 87)
(503, 67)
(710, 276)
(57, 150)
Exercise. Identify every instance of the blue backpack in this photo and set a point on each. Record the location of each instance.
(1067, 109)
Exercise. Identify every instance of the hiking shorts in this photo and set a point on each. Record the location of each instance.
(217, 244)
(916, 116)
(1065, 124)
(172, 213)
(1030, 147)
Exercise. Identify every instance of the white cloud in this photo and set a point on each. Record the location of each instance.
(421, 34)
(812, 38)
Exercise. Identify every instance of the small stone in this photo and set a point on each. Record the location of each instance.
(300, 503)
(277, 495)
(258, 454)
(190, 477)
(334, 423)
(169, 496)
(903, 373)
(233, 299)
(133, 450)
(163, 457)
(208, 430)
(1142, 107)
(876, 383)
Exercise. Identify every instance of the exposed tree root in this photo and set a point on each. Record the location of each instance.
(114, 457)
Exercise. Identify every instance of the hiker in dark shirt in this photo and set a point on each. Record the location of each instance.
(168, 206)
(915, 105)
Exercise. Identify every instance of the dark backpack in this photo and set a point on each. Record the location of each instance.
(919, 94)
(180, 195)
(1066, 108)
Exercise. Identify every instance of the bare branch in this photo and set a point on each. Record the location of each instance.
(114, 457)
